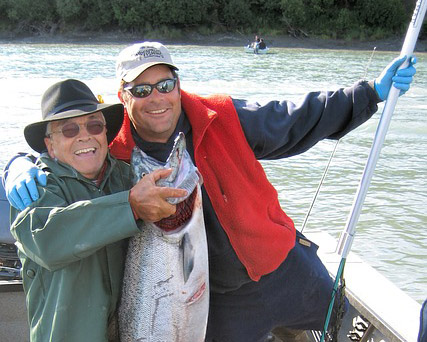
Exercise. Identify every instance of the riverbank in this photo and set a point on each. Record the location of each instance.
(225, 39)
(287, 41)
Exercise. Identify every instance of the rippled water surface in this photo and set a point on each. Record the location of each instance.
(391, 233)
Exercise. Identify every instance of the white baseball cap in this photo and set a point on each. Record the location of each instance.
(135, 59)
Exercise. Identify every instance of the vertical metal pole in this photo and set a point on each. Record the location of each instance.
(347, 237)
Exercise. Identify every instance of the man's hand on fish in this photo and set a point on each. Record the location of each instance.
(148, 200)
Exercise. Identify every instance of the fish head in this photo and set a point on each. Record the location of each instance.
(174, 160)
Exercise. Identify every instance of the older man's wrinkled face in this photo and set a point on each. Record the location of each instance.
(155, 116)
(84, 149)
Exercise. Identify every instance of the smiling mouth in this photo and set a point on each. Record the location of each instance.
(85, 150)
(158, 111)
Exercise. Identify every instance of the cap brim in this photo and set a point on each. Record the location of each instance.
(113, 113)
(134, 73)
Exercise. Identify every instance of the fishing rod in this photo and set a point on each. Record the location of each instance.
(325, 172)
(347, 237)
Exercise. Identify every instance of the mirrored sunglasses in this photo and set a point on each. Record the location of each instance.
(145, 89)
(72, 129)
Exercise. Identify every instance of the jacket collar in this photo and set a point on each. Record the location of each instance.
(198, 113)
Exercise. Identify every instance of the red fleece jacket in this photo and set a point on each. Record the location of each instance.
(245, 202)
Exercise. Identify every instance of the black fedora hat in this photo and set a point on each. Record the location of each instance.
(70, 99)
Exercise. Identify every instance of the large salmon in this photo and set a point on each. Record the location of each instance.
(165, 295)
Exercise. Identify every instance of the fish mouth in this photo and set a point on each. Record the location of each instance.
(85, 151)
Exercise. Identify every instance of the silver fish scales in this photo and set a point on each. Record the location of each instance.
(165, 295)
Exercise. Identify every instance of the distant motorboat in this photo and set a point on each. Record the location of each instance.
(251, 49)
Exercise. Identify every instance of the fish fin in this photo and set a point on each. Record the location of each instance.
(188, 256)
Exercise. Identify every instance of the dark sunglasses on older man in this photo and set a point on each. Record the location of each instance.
(145, 89)
(72, 129)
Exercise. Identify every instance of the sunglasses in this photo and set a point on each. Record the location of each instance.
(72, 129)
(145, 89)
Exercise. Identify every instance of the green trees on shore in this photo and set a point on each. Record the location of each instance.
(356, 19)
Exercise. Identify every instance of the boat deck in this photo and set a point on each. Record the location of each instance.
(13, 317)
(379, 311)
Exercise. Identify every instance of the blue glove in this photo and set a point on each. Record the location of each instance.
(401, 79)
(20, 183)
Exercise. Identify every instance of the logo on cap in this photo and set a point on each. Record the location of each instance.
(147, 52)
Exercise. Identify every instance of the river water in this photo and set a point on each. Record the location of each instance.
(391, 233)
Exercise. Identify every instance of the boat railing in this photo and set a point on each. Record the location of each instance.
(375, 299)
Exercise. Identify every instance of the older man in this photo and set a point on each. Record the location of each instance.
(263, 273)
(72, 240)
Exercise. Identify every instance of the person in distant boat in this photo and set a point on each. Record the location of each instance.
(263, 273)
(255, 42)
(261, 45)
(71, 242)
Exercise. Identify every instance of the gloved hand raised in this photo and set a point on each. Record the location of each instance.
(20, 183)
(401, 79)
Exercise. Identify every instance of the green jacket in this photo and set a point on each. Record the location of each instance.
(72, 246)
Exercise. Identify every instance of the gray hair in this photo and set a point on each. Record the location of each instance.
(48, 128)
